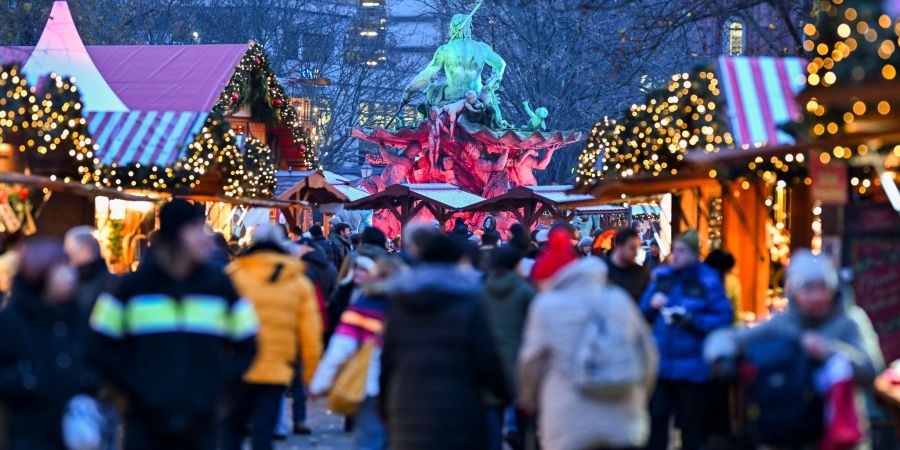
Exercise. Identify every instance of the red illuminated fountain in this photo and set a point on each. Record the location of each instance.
(463, 139)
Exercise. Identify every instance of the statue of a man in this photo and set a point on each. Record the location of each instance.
(521, 171)
(462, 59)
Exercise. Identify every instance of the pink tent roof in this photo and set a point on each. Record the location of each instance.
(60, 50)
(159, 77)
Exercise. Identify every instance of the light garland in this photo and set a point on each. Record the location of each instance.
(854, 44)
(654, 136)
(255, 85)
(45, 122)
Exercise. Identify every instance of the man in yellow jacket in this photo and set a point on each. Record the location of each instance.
(290, 319)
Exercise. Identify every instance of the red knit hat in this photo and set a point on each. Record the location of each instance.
(557, 254)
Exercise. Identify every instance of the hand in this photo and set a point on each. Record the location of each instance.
(815, 346)
(659, 301)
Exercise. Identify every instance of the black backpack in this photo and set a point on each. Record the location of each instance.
(783, 408)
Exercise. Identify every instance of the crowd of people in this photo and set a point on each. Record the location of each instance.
(466, 340)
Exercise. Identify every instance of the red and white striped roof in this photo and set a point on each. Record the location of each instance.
(145, 137)
(760, 94)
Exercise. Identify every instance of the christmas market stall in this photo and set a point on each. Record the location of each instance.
(205, 122)
(405, 201)
(325, 193)
(530, 205)
(731, 107)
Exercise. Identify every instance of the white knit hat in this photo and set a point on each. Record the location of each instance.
(806, 268)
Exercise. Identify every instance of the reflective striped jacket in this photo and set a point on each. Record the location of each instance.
(173, 345)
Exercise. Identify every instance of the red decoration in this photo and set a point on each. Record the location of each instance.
(23, 194)
(256, 60)
(278, 102)
(235, 97)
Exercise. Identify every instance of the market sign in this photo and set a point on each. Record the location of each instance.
(876, 265)
(829, 181)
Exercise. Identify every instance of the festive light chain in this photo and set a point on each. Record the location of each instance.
(254, 66)
(853, 45)
(41, 123)
(653, 137)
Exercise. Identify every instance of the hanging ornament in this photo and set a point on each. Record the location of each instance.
(256, 60)
(23, 194)
(278, 102)
(235, 97)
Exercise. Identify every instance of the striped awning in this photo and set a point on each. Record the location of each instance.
(145, 137)
(760, 93)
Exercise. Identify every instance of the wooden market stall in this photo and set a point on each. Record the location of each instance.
(405, 201)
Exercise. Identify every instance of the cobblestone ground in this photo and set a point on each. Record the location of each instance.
(328, 432)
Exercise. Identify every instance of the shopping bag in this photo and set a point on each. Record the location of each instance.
(348, 392)
(842, 427)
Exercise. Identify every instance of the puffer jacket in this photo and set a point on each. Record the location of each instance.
(288, 312)
(439, 359)
(698, 289)
(568, 419)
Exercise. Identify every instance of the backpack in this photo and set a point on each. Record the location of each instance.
(783, 408)
(606, 359)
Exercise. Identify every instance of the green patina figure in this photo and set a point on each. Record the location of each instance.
(536, 118)
(462, 60)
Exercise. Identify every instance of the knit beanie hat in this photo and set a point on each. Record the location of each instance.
(374, 236)
(557, 254)
(691, 240)
(175, 215)
(806, 268)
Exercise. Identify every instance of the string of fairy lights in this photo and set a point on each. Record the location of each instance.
(50, 120)
(45, 121)
(653, 137)
(853, 45)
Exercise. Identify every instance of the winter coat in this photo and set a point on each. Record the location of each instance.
(634, 278)
(361, 322)
(321, 272)
(698, 289)
(93, 278)
(337, 304)
(173, 346)
(42, 366)
(328, 249)
(288, 311)
(568, 419)
(439, 358)
(847, 333)
(342, 246)
(506, 299)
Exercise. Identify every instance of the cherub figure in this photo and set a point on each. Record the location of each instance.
(453, 110)
(536, 118)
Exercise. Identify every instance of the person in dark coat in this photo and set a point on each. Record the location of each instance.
(326, 246)
(507, 296)
(439, 356)
(624, 271)
(83, 251)
(320, 270)
(460, 230)
(340, 237)
(42, 348)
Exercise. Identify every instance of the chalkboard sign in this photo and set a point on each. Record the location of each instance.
(876, 267)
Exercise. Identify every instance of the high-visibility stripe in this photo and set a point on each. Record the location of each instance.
(107, 318)
(367, 323)
(150, 314)
(243, 322)
(204, 314)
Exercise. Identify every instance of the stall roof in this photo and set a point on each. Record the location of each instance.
(74, 187)
(610, 191)
(525, 196)
(320, 187)
(60, 50)
(444, 195)
(760, 93)
(145, 137)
